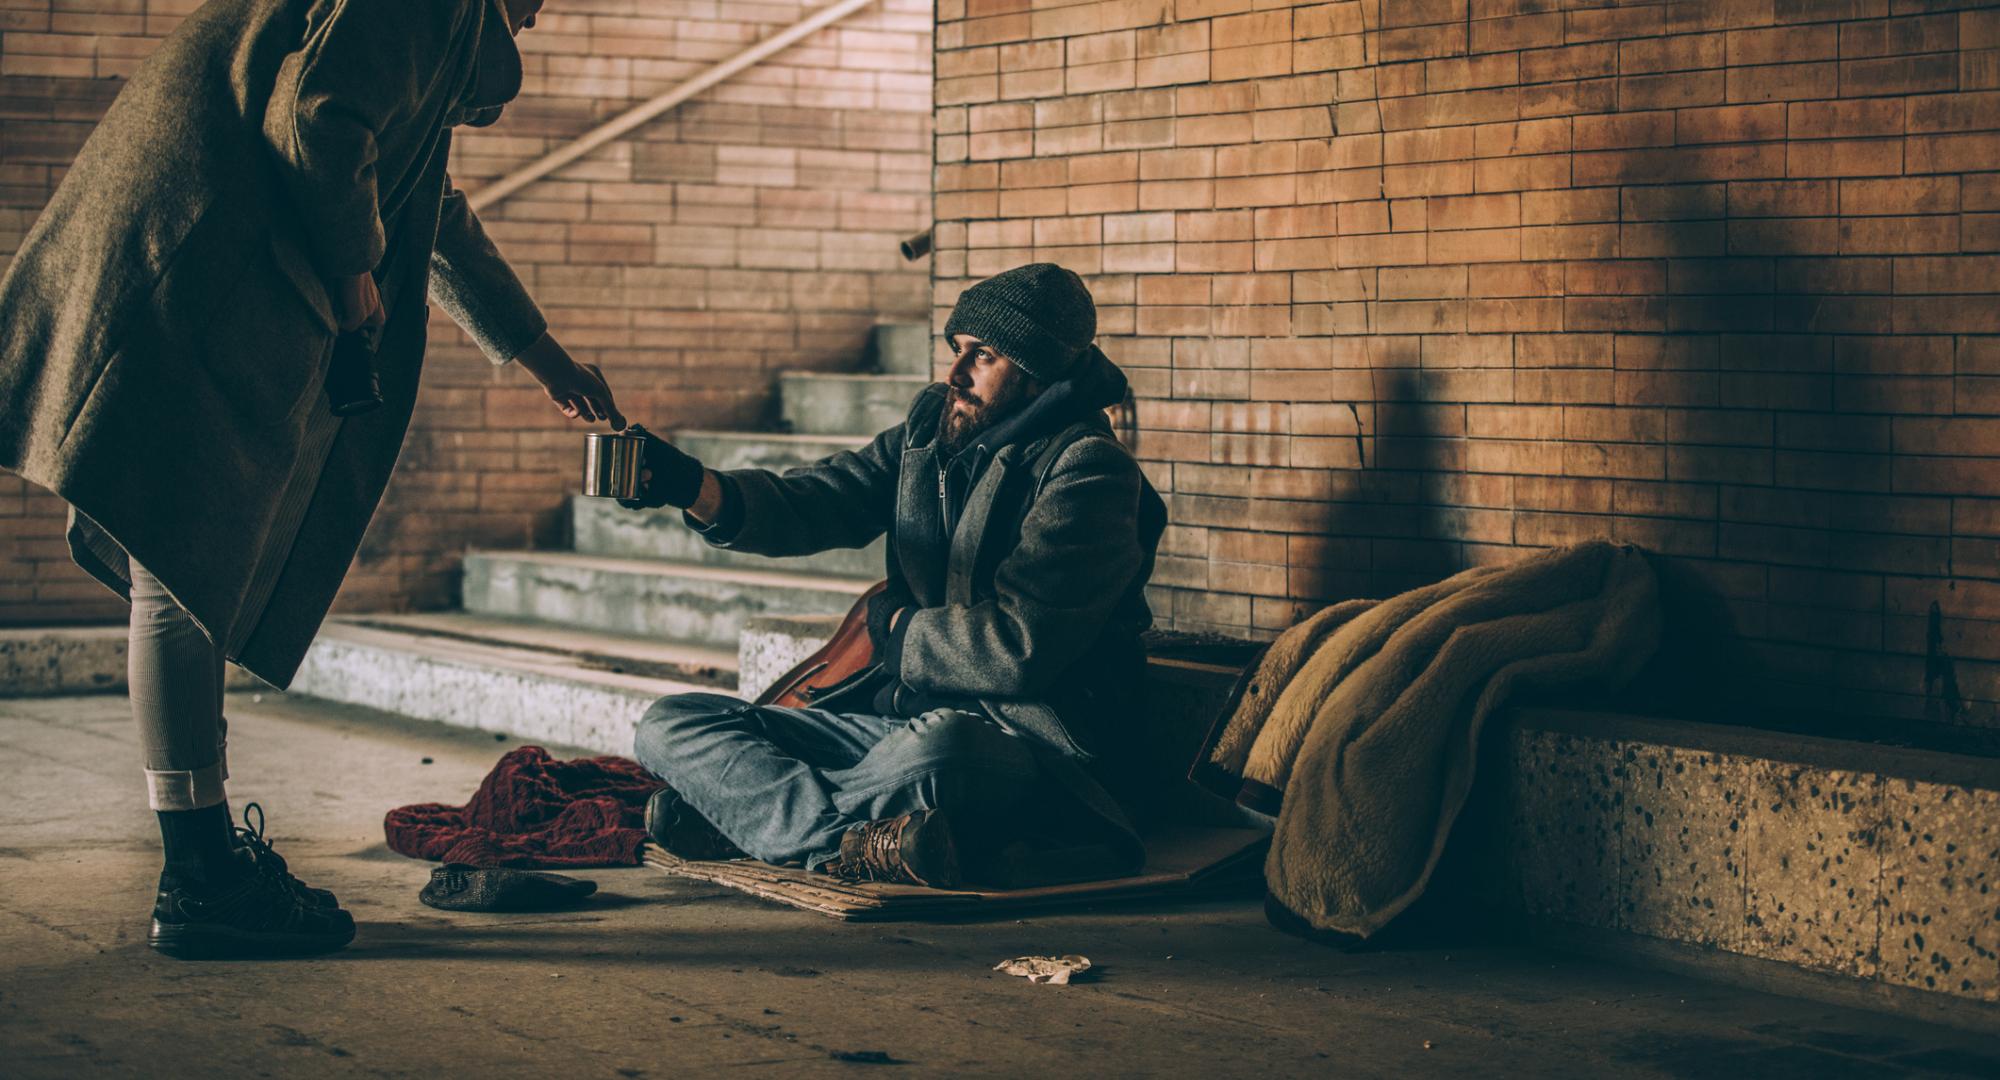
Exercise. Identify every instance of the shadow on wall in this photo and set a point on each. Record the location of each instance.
(1790, 533)
(1417, 446)
(1388, 527)
(1762, 373)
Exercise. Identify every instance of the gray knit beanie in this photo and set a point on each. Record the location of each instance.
(1040, 316)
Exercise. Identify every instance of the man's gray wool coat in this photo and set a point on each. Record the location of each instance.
(1032, 603)
(166, 327)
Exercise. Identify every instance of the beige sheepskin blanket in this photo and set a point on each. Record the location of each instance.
(1361, 725)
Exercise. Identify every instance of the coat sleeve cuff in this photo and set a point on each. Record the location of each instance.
(728, 520)
(473, 282)
(892, 649)
(492, 305)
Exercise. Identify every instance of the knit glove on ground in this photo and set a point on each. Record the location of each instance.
(458, 887)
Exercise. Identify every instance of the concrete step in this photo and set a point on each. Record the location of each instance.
(777, 451)
(682, 602)
(900, 349)
(44, 661)
(815, 403)
(617, 654)
(775, 644)
(602, 527)
(532, 681)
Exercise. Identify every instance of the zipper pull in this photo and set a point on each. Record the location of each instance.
(944, 508)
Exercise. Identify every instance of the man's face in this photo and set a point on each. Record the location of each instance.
(521, 14)
(986, 388)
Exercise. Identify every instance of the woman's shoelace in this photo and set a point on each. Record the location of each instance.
(267, 858)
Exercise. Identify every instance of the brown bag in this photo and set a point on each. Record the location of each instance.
(846, 654)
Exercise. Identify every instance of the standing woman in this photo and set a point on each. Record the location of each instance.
(271, 178)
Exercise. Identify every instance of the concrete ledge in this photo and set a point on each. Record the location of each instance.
(38, 662)
(1970, 770)
(528, 693)
(46, 661)
(645, 598)
(1879, 864)
(774, 644)
(561, 648)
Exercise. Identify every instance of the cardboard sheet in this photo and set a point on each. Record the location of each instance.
(1179, 859)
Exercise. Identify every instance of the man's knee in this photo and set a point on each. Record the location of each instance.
(948, 734)
(670, 721)
(968, 759)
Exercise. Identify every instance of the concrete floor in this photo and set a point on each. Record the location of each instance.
(659, 978)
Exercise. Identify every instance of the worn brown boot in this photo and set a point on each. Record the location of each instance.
(915, 849)
(681, 830)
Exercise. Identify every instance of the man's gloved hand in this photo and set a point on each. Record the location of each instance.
(667, 477)
(885, 610)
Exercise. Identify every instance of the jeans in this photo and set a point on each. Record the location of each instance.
(175, 677)
(784, 784)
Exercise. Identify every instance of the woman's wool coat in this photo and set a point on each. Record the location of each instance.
(166, 327)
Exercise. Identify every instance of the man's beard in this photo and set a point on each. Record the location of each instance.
(959, 428)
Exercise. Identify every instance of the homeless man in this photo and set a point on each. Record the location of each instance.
(271, 177)
(1007, 651)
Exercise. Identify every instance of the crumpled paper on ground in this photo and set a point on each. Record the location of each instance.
(1054, 970)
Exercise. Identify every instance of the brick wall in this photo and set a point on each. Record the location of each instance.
(749, 230)
(1409, 286)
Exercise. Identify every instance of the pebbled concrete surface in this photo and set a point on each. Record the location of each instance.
(1873, 876)
(665, 979)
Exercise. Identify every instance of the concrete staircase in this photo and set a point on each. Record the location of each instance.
(570, 646)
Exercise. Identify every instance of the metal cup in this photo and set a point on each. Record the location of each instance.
(611, 464)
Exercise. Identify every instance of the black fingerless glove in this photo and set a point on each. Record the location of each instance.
(676, 477)
(882, 609)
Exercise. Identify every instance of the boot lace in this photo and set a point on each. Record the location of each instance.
(876, 857)
(268, 862)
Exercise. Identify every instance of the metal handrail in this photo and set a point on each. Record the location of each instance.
(632, 118)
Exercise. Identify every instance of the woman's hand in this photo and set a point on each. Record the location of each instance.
(358, 303)
(578, 390)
